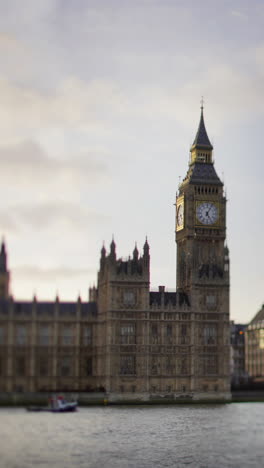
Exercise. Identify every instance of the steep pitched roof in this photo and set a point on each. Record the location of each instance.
(201, 139)
(202, 173)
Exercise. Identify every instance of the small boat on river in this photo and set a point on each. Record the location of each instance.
(57, 404)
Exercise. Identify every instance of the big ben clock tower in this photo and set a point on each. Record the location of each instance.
(203, 264)
(200, 218)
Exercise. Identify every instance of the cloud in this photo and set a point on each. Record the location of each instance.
(28, 163)
(66, 216)
(103, 109)
(239, 14)
(72, 105)
(9, 41)
(30, 13)
(35, 273)
(8, 223)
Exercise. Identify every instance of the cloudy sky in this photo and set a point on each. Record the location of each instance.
(100, 102)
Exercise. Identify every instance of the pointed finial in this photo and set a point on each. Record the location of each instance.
(135, 252)
(113, 249)
(201, 140)
(146, 246)
(3, 246)
(103, 250)
(112, 245)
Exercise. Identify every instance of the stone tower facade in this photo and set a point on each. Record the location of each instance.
(122, 298)
(203, 261)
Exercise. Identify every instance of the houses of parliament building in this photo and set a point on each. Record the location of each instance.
(127, 341)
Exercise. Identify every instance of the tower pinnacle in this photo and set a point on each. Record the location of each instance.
(201, 139)
(201, 149)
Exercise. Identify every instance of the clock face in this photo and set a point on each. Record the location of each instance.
(207, 213)
(180, 216)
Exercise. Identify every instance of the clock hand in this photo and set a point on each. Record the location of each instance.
(207, 212)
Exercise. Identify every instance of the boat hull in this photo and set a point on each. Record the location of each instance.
(67, 408)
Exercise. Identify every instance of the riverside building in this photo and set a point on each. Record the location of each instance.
(254, 345)
(130, 342)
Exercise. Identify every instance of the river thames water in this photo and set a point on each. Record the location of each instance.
(194, 436)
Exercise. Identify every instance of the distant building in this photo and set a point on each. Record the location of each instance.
(254, 335)
(129, 341)
(239, 376)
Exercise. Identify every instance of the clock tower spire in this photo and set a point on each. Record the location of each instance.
(201, 149)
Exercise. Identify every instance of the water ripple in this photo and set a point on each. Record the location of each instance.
(199, 436)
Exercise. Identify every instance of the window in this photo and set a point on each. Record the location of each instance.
(127, 365)
(21, 335)
(43, 366)
(210, 301)
(169, 368)
(183, 366)
(87, 335)
(20, 366)
(67, 336)
(128, 333)
(44, 335)
(65, 366)
(210, 335)
(210, 365)
(183, 334)
(129, 298)
(168, 334)
(261, 338)
(2, 335)
(154, 366)
(154, 331)
(89, 366)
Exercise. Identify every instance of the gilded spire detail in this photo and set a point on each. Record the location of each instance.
(201, 150)
(201, 140)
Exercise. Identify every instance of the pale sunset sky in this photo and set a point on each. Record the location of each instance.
(100, 102)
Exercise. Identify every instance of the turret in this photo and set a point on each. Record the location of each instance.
(4, 273)
(135, 253)
(3, 258)
(146, 257)
(113, 250)
(103, 255)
